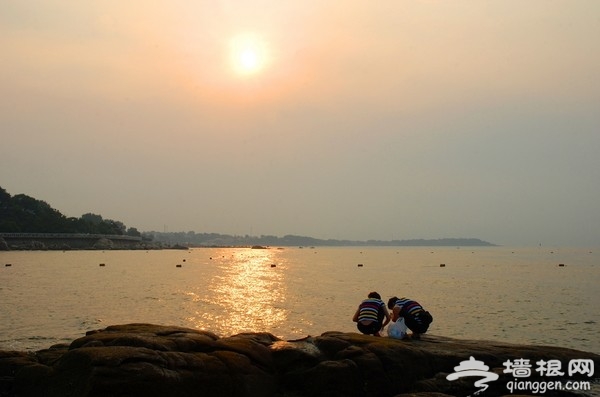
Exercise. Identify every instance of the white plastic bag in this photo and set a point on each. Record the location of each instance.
(398, 329)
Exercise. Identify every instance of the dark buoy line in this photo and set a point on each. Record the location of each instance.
(360, 265)
(102, 265)
(442, 265)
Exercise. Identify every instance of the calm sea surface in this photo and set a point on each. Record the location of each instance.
(518, 295)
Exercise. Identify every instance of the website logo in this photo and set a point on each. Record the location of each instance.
(521, 369)
(472, 367)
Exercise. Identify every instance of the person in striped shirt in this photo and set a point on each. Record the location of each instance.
(372, 315)
(415, 317)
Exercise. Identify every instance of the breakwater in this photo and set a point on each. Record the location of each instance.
(62, 241)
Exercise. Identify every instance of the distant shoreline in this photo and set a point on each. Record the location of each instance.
(78, 241)
(213, 239)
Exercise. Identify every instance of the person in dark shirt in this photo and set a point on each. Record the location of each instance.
(415, 317)
(372, 315)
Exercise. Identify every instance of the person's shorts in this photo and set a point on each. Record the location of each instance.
(419, 323)
(369, 329)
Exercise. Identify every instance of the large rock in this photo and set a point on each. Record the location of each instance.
(152, 360)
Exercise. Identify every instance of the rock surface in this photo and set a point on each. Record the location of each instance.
(153, 360)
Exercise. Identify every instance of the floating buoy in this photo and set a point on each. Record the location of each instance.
(561, 265)
(442, 265)
(273, 265)
(360, 265)
(184, 260)
(8, 265)
(102, 265)
(177, 265)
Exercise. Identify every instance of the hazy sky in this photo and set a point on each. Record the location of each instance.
(343, 119)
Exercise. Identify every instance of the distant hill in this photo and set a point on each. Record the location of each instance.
(213, 239)
(24, 214)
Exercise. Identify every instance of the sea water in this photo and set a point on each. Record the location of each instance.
(544, 296)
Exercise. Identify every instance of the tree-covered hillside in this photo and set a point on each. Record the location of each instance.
(25, 214)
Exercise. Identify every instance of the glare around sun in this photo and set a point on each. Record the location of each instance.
(248, 54)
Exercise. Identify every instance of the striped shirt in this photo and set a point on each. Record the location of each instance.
(371, 310)
(408, 307)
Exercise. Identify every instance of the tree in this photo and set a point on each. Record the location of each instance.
(92, 218)
(36, 216)
(25, 214)
(132, 231)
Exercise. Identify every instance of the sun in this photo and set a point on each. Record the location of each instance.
(249, 54)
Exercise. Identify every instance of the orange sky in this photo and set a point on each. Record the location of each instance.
(400, 119)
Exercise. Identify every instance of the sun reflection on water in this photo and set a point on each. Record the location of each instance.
(247, 294)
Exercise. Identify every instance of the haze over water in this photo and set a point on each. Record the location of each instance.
(513, 295)
(342, 119)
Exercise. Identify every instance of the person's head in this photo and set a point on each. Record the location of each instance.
(374, 295)
(392, 302)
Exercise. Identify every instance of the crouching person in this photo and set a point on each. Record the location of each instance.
(372, 315)
(415, 317)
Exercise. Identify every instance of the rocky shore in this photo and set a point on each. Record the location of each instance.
(154, 360)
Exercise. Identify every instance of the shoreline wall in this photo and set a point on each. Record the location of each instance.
(66, 241)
